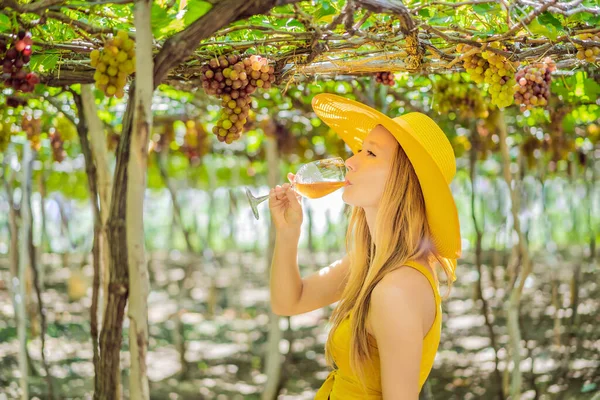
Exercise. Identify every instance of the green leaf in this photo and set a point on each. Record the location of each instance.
(588, 387)
(4, 23)
(43, 63)
(440, 20)
(543, 30)
(293, 23)
(593, 20)
(549, 19)
(485, 8)
(160, 19)
(424, 12)
(324, 13)
(592, 88)
(485, 34)
(195, 10)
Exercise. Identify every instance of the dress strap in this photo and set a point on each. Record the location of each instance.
(425, 271)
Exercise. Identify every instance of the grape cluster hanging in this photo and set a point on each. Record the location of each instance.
(233, 79)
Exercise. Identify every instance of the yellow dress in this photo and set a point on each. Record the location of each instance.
(343, 384)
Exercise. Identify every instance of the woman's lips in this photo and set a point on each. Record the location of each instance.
(347, 183)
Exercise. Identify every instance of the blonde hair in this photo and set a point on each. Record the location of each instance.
(402, 234)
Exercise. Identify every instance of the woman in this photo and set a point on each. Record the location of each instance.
(386, 327)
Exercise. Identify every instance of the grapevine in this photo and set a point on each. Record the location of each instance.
(114, 64)
(233, 80)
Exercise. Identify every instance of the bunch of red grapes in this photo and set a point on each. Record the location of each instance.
(15, 58)
(56, 143)
(233, 79)
(32, 127)
(195, 142)
(14, 101)
(387, 78)
(533, 84)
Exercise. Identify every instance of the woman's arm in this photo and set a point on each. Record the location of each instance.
(291, 295)
(402, 309)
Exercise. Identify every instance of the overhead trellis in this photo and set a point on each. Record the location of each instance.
(305, 38)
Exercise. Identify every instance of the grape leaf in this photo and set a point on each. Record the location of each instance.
(4, 23)
(543, 30)
(485, 8)
(160, 19)
(441, 20)
(195, 10)
(549, 19)
(324, 12)
(43, 63)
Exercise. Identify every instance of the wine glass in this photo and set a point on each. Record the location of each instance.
(313, 180)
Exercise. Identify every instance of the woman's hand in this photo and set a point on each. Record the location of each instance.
(286, 207)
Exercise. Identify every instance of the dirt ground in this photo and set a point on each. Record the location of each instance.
(223, 353)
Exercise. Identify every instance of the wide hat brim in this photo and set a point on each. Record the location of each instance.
(353, 121)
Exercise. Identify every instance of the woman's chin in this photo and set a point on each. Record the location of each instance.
(346, 198)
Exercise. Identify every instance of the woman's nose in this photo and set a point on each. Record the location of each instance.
(349, 164)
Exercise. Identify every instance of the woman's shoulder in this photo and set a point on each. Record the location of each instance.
(406, 289)
(410, 278)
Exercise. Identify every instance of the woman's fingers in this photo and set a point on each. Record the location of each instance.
(279, 192)
(294, 200)
(291, 177)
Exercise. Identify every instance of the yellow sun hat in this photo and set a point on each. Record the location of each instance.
(427, 148)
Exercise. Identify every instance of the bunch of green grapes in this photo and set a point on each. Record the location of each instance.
(387, 78)
(114, 64)
(233, 80)
(460, 145)
(494, 70)
(474, 63)
(65, 127)
(500, 77)
(533, 84)
(460, 97)
(5, 135)
(590, 53)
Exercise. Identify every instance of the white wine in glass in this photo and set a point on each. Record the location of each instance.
(313, 180)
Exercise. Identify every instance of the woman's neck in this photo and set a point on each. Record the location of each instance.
(371, 216)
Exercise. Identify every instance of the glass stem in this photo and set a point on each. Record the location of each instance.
(261, 199)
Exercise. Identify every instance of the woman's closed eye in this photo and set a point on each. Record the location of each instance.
(369, 153)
